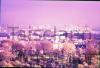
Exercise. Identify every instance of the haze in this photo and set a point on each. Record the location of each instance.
(59, 13)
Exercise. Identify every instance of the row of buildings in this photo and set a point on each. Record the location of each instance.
(40, 33)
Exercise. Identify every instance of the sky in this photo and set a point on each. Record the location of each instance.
(53, 13)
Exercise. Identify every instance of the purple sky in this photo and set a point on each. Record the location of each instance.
(25, 12)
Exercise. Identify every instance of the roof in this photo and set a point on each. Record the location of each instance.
(4, 35)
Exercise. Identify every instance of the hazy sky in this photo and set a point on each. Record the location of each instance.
(25, 12)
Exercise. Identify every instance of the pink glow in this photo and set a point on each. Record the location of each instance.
(24, 12)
